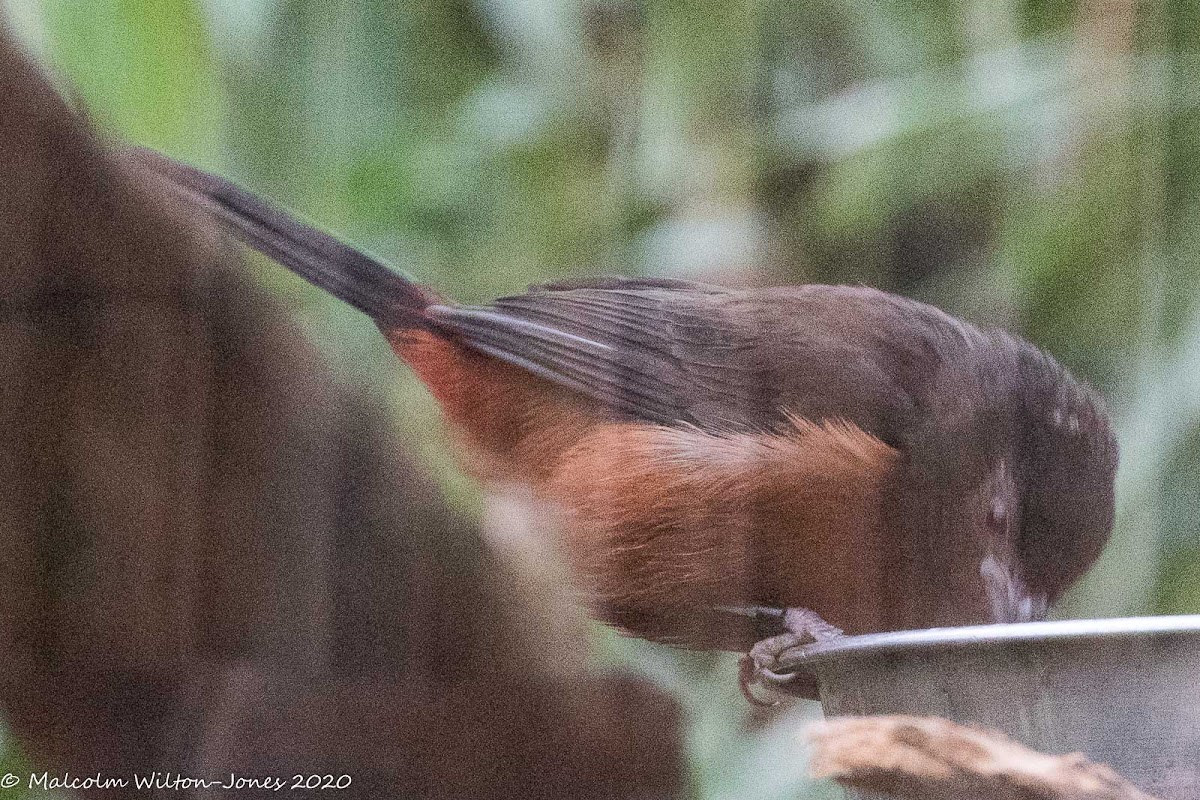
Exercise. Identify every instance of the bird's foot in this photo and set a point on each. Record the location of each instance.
(761, 665)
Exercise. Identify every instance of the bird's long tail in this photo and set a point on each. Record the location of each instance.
(389, 298)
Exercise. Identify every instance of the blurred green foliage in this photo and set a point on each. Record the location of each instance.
(1026, 163)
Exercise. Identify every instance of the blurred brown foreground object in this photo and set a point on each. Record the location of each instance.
(212, 559)
(928, 758)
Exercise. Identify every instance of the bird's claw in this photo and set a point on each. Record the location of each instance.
(761, 665)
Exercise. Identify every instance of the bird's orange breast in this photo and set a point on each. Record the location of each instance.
(663, 521)
(514, 425)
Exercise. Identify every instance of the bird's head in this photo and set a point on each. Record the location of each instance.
(1049, 501)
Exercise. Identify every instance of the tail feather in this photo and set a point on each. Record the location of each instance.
(392, 300)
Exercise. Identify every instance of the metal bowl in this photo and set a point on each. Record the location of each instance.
(1125, 692)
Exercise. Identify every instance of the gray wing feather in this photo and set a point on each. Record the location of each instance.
(650, 352)
(724, 359)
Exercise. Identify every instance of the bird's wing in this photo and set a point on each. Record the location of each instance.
(655, 350)
(660, 350)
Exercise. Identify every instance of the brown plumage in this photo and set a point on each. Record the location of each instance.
(834, 448)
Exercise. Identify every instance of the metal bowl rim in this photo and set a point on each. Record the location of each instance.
(973, 636)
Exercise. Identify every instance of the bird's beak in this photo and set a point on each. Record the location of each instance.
(1010, 598)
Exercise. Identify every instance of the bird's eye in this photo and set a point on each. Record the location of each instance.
(998, 512)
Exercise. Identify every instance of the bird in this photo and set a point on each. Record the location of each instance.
(746, 469)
